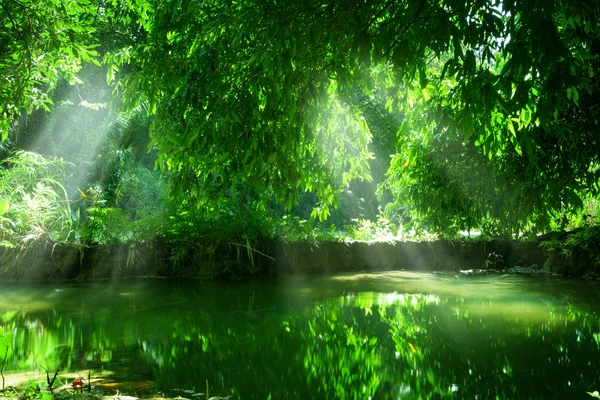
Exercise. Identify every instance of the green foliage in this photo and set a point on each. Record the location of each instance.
(39, 204)
(366, 230)
(107, 225)
(485, 104)
(40, 41)
(4, 206)
(33, 391)
(579, 245)
(494, 261)
(464, 114)
(256, 134)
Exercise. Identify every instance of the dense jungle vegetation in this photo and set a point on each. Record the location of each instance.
(189, 121)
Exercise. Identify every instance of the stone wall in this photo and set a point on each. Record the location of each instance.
(440, 255)
(44, 260)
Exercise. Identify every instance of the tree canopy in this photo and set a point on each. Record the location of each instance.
(41, 41)
(477, 112)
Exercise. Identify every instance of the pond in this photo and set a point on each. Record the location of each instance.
(394, 335)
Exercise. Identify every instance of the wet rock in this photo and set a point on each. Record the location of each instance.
(532, 270)
(475, 271)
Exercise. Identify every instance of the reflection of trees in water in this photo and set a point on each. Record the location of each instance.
(34, 340)
(378, 345)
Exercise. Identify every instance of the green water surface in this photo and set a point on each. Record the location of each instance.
(390, 335)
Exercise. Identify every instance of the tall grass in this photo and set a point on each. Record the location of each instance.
(37, 201)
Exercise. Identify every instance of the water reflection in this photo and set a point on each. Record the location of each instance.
(383, 336)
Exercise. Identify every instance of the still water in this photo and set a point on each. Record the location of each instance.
(351, 336)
